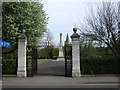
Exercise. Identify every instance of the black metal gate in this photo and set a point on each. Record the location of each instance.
(68, 60)
(31, 61)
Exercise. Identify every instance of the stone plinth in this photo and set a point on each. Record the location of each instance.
(61, 57)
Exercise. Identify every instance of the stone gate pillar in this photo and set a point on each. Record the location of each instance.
(75, 54)
(22, 41)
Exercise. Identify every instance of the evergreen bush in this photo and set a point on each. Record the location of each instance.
(99, 66)
(9, 66)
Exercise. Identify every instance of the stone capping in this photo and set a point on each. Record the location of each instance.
(22, 40)
(22, 36)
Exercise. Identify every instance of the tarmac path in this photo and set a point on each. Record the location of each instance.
(52, 68)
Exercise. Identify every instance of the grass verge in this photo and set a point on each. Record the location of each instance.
(41, 61)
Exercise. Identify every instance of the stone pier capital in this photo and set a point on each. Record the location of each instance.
(22, 38)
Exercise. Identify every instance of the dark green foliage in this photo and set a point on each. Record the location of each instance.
(42, 53)
(48, 52)
(9, 66)
(67, 39)
(95, 52)
(85, 66)
(88, 66)
(99, 66)
(55, 52)
(12, 55)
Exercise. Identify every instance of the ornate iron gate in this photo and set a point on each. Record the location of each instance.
(31, 61)
(68, 60)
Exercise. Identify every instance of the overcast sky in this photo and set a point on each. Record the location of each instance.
(64, 14)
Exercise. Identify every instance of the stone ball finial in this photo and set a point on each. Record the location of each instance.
(74, 30)
(23, 31)
(22, 35)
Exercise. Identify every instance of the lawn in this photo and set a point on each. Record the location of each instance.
(41, 61)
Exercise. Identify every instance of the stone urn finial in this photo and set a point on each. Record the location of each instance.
(75, 30)
(75, 34)
(23, 31)
(22, 35)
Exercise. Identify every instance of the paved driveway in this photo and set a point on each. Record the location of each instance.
(52, 68)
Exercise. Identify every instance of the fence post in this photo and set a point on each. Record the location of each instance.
(22, 41)
(75, 54)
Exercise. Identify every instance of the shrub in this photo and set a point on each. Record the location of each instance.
(9, 66)
(43, 53)
(99, 66)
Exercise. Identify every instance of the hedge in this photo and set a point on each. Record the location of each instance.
(99, 66)
(88, 66)
(9, 66)
(51, 52)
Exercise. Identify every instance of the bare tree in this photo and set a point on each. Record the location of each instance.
(49, 36)
(102, 25)
(47, 39)
(47, 43)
